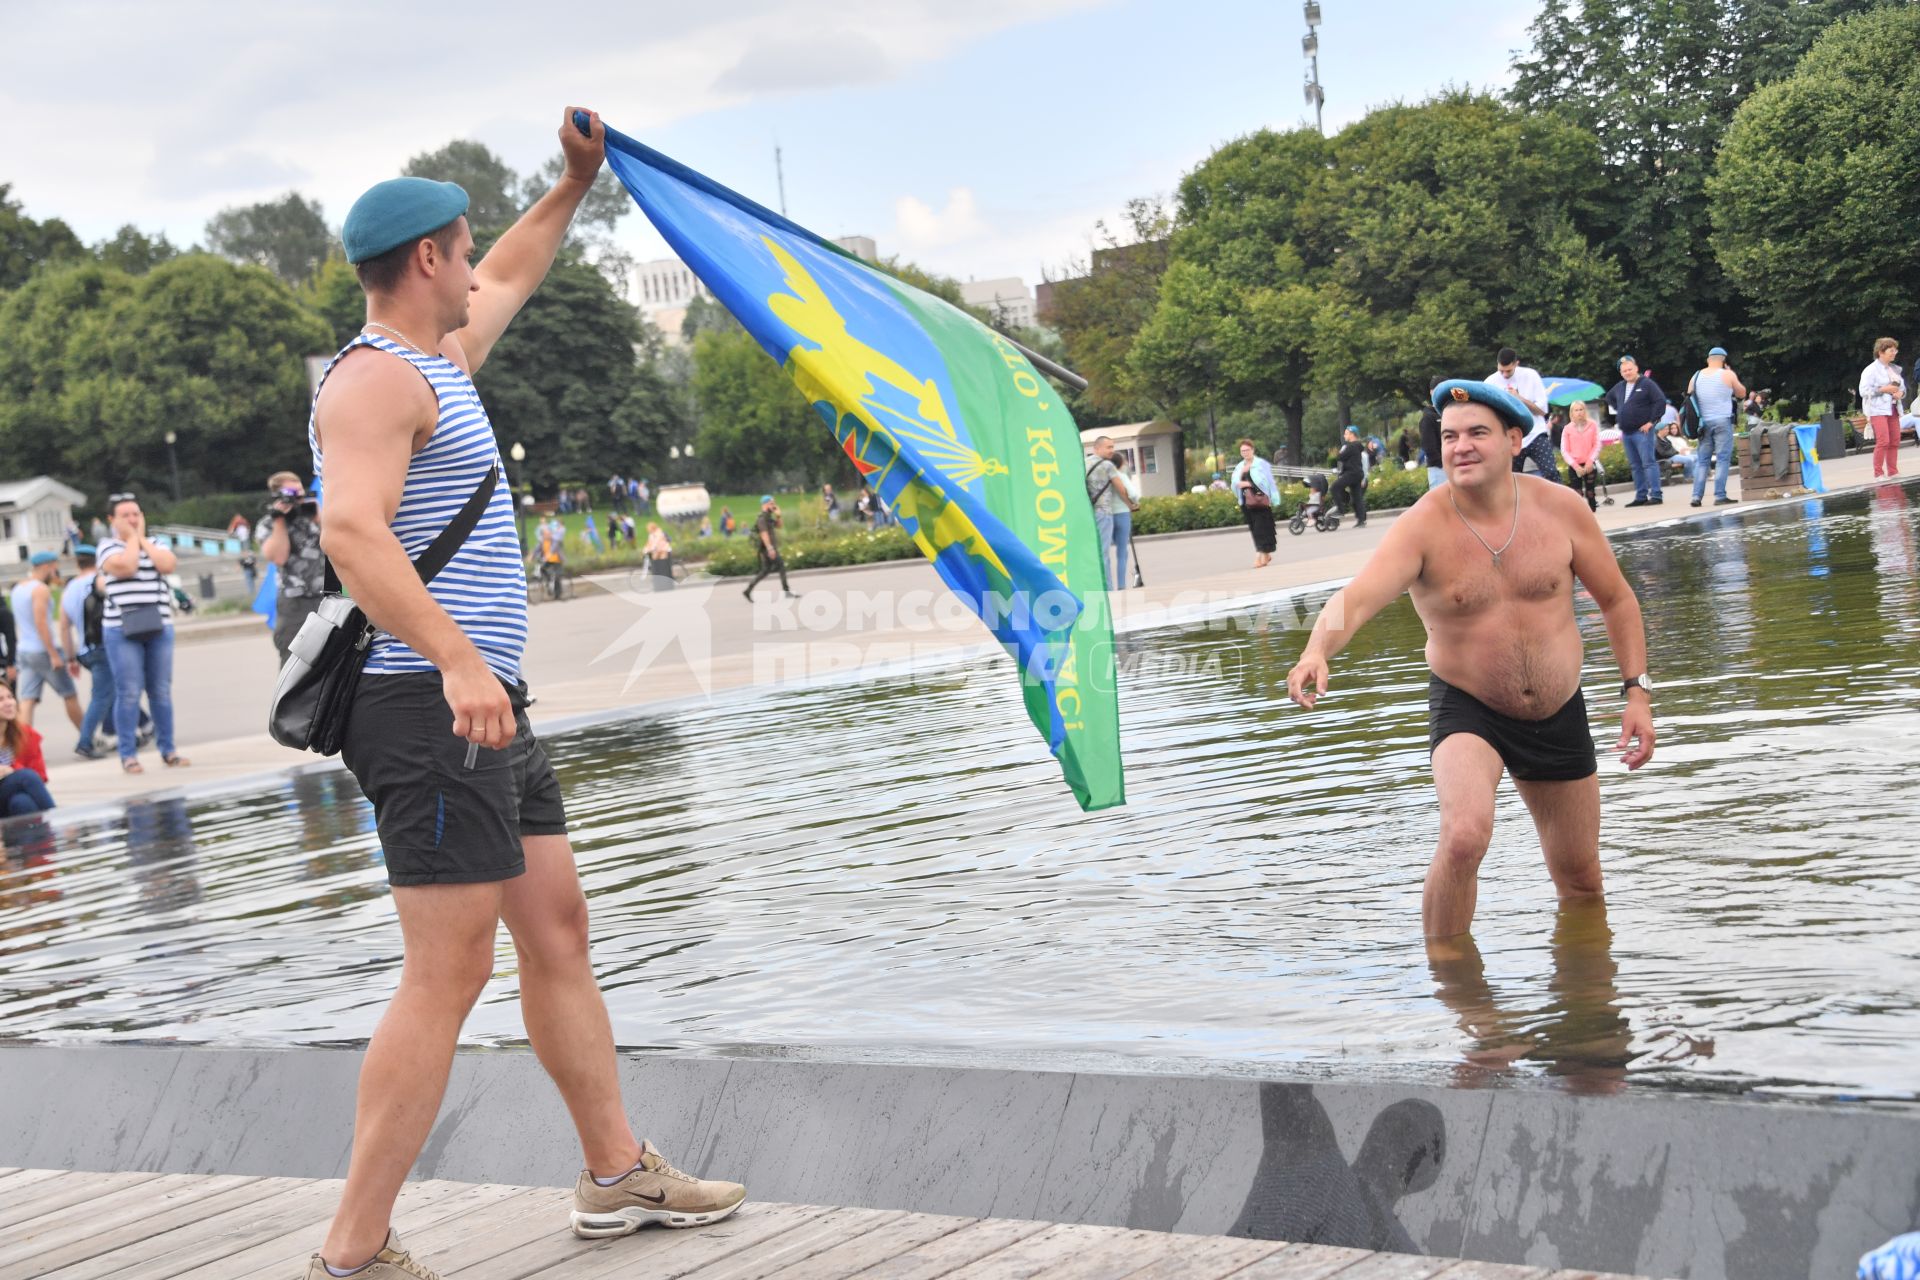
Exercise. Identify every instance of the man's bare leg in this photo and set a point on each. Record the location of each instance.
(1567, 817)
(73, 710)
(560, 999)
(1466, 771)
(25, 714)
(449, 931)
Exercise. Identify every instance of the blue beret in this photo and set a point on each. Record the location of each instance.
(1718, 351)
(393, 212)
(84, 549)
(42, 557)
(1473, 391)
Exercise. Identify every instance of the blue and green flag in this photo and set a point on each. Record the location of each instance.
(946, 420)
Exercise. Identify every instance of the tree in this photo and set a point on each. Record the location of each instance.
(493, 188)
(1235, 321)
(25, 245)
(567, 382)
(106, 364)
(1814, 198)
(1658, 87)
(755, 427)
(1443, 231)
(134, 252)
(1103, 303)
(288, 236)
(335, 296)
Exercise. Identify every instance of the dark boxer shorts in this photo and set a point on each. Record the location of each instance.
(439, 821)
(1557, 749)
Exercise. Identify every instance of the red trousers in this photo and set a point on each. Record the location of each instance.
(1886, 444)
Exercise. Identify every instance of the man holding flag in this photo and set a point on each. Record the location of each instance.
(471, 824)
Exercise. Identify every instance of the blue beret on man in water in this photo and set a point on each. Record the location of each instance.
(391, 213)
(1508, 408)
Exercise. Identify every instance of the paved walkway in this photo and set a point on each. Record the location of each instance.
(715, 641)
(57, 1226)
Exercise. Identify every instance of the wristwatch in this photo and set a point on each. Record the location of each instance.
(1638, 682)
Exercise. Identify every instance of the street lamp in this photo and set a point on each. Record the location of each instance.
(174, 463)
(519, 455)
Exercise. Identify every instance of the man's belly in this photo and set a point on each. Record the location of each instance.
(1516, 662)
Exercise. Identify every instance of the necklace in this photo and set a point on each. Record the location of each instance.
(375, 324)
(1476, 533)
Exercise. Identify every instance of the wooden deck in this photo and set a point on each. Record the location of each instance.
(145, 1226)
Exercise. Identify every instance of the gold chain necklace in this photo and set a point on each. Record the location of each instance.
(1476, 533)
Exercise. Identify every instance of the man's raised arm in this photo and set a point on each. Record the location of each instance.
(1392, 568)
(520, 259)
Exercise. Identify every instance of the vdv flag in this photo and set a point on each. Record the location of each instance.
(946, 420)
(1810, 475)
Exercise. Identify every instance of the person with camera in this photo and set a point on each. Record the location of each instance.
(292, 528)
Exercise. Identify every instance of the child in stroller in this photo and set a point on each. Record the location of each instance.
(1314, 509)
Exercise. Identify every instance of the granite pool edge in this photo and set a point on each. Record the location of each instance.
(1639, 1182)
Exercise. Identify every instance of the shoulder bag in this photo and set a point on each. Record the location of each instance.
(1256, 496)
(315, 693)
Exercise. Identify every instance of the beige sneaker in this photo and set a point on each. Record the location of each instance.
(393, 1262)
(654, 1192)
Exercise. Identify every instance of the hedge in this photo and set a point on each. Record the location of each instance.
(736, 558)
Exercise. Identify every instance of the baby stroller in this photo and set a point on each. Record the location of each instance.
(1314, 509)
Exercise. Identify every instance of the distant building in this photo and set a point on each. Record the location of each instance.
(1152, 450)
(1146, 255)
(34, 515)
(1043, 300)
(1007, 300)
(666, 282)
(666, 287)
(860, 247)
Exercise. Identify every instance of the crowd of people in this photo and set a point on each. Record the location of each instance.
(111, 620)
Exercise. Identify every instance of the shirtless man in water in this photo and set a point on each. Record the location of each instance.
(1491, 560)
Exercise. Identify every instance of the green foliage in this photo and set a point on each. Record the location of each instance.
(25, 245)
(1815, 202)
(134, 252)
(492, 187)
(1658, 88)
(564, 381)
(206, 510)
(1209, 510)
(736, 557)
(1234, 325)
(1445, 231)
(288, 236)
(755, 426)
(102, 365)
(1102, 304)
(334, 295)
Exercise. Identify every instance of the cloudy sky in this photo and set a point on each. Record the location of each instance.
(979, 139)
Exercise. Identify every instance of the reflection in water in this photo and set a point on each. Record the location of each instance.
(1580, 1033)
(892, 869)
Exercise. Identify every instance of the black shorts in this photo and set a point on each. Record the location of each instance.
(439, 821)
(1557, 749)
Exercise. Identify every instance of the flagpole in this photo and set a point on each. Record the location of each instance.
(1049, 367)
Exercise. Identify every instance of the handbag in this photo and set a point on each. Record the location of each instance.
(314, 695)
(138, 621)
(1256, 496)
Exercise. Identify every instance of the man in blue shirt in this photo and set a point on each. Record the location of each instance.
(1637, 402)
(1715, 389)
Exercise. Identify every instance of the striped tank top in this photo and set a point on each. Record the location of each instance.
(484, 587)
